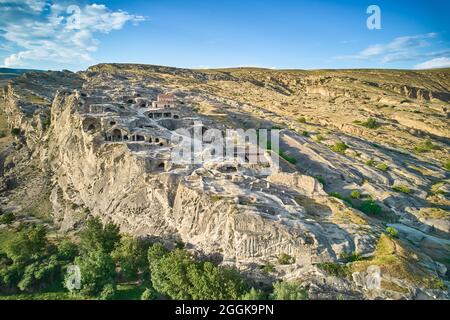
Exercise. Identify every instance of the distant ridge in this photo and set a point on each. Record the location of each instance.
(7, 74)
(18, 71)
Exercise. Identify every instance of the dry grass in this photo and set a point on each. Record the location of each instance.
(344, 214)
(396, 261)
(391, 286)
(349, 216)
(434, 213)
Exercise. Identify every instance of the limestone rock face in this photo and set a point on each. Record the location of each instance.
(110, 181)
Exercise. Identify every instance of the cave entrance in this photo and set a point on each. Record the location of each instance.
(117, 135)
(91, 128)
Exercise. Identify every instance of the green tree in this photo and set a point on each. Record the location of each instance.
(177, 275)
(108, 292)
(288, 291)
(209, 282)
(130, 256)
(67, 250)
(10, 275)
(97, 270)
(95, 236)
(169, 272)
(149, 294)
(7, 218)
(254, 294)
(157, 251)
(29, 262)
(285, 259)
(370, 207)
(27, 245)
(40, 274)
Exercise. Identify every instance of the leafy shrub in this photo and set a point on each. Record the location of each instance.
(370, 163)
(288, 291)
(216, 198)
(285, 259)
(370, 207)
(16, 131)
(447, 165)
(27, 261)
(180, 244)
(336, 195)
(355, 194)
(392, 232)
(97, 270)
(27, 245)
(38, 273)
(130, 256)
(108, 292)
(351, 257)
(435, 283)
(305, 133)
(334, 269)
(339, 196)
(382, 166)
(177, 275)
(339, 147)
(149, 294)
(371, 123)
(2, 134)
(426, 146)
(67, 250)
(7, 218)
(318, 138)
(268, 268)
(301, 120)
(401, 188)
(254, 295)
(95, 236)
(46, 122)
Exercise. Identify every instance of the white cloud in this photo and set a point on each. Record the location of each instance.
(44, 31)
(35, 5)
(402, 49)
(443, 62)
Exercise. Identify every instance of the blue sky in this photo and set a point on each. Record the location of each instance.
(290, 34)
